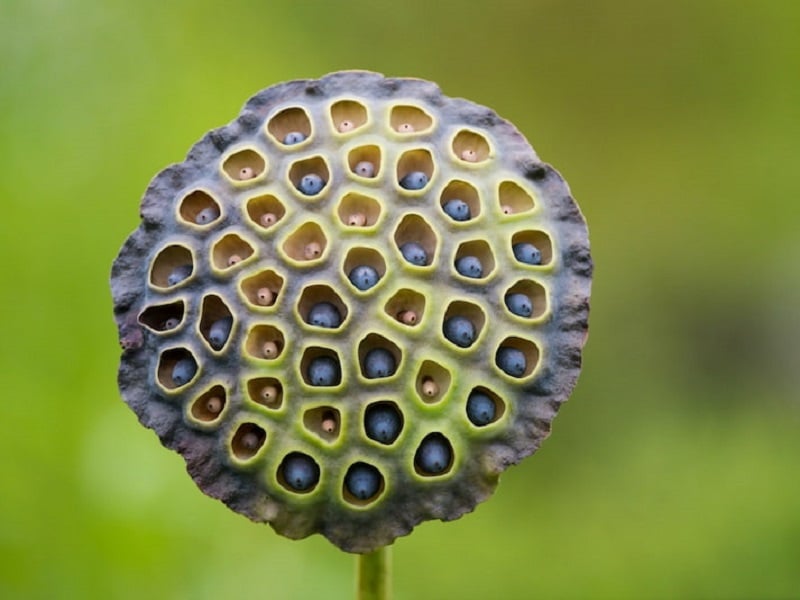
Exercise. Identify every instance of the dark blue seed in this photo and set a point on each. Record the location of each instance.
(324, 314)
(414, 253)
(363, 277)
(206, 215)
(434, 454)
(379, 362)
(219, 331)
(178, 274)
(460, 331)
(519, 304)
(363, 481)
(300, 472)
(324, 371)
(469, 266)
(458, 210)
(183, 371)
(293, 137)
(415, 180)
(480, 408)
(511, 361)
(527, 253)
(311, 184)
(382, 423)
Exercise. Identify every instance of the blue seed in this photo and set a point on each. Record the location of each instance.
(311, 184)
(460, 331)
(363, 277)
(219, 331)
(480, 408)
(382, 423)
(433, 455)
(519, 304)
(469, 266)
(414, 253)
(379, 362)
(206, 215)
(324, 314)
(300, 472)
(293, 137)
(458, 210)
(527, 253)
(362, 480)
(365, 169)
(324, 371)
(511, 361)
(415, 180)
(183, 371)
(178, 274)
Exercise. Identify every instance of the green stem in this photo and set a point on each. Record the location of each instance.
(374, 575)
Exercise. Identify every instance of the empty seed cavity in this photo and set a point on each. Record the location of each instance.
(484, 407)
(474, 260)
(378, 357)
(460, 201)
(266, 391)
(244, 165)
(407, 119)
(265, 342)
(471, 147)
(532, 248)
(248, 440)
(514, 199)
(176, 368)
(517, 357)
(348, 115)
(416, 241)
(364, 268)
(306, 244)
(415, 170)
(298, 473)
(265, 210)
(230, 251)
(365, 161)
(526, 299)
(363, 484)
(290, 127)
(172, 266)
(463, 323)
(321, 306)
(432, 382)
(309, 176)
(324, 422)
(209, 406)
(321, 367)
(357, 210)
(163, 317)
(383, 422)
(216, 322)
(199, 208)
(434, 455)
(406, 306)
(262, 289)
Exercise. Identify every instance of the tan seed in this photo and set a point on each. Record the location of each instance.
(264, 296)
(270, 349)
(429, 387)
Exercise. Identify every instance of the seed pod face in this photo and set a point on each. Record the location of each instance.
(421, 318)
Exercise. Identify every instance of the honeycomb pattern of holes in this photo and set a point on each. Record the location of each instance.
(434, 456)
(290, 120)
(536, 293)
(379, 371)
(266, 391)
(348, 116)
(216, 322)
(163, 317)
(369, 257)
(330, 373)
(208, 406)
(265, 342)
(265, 211)
(358, 159)
(263, 290)
(315, 294)
(414, 228)
(513, 198)
(473, 410)
(314, 165)
(479, 249)
(472, 312)
(248, 439)
(471, 147)
(432, 382)
(363, 484)
(383, 422)
(419, 160)
(177, 367)
(530, 352)
(244, 165)
(298, 473)
(306, 244)
(539, 239)
(230, 251)
(324, 422)
(357, 210)
(406, 307)
(199, 208)
(403, 116)
(172, 266)
(461, 190)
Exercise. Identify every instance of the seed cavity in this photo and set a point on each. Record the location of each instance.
(244, 165)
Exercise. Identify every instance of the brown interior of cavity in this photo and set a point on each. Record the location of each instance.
(315, 165)
(415, 160)
(287, 121)
(157, 317)
(375, 340)
(314, 294)
(229, 248)
(244, 159)
(313, 352)
(533, 290)
(265, 279)
(358, 204)
(266, 391)
(482, 250)
(513, 199)
(364, 256)
(168, 259)
(416, 117)
(462, 190)
(539, 239)
(260, 206)
(365, 153)
(209, 406)
(404, 304)
(413, 228)
(194, 202)
(260, 335)
(528, 348)
(441, 378)
(348, 110)
(213, 309)
(471, 141)
(306, 243)
(167, 361)
(248, 440)
(323, 421)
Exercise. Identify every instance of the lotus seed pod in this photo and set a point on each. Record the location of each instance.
(406, 403)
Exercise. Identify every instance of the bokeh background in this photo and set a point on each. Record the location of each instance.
(672, 472)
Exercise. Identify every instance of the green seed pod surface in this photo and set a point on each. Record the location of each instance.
(212, 295)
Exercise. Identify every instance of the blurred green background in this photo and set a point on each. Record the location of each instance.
(673, 471)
